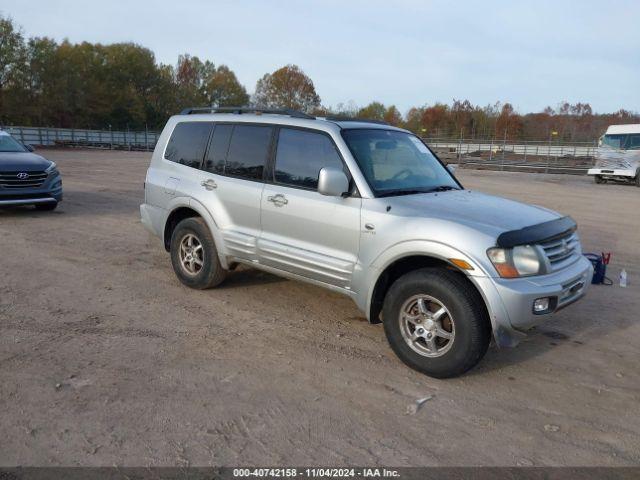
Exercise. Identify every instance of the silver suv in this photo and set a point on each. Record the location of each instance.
(367, 210)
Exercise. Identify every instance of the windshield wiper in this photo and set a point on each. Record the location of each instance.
(392, 193)
(442, 188)
(415, 191)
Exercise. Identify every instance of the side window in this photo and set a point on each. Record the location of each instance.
(301, 155)
(248, 151)
(187, 143)
(634, 142)
(217, 154)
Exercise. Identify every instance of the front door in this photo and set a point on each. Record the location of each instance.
(304, 232)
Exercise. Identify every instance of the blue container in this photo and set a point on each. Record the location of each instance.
(599, 267)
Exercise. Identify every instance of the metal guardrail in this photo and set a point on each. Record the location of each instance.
(493, 154)
(72, 137)
(528, 156)
(504, 147)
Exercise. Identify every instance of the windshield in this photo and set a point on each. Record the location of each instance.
(630, 141)
(397, 163)
(9, 144)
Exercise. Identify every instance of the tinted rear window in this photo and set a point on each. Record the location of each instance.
(248, 151)
(187, 143)
(217, 153)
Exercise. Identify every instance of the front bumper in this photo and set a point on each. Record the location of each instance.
(510, 301)
(612, 172)
(50, 191)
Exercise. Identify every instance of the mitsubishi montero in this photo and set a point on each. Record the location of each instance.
(367, 210)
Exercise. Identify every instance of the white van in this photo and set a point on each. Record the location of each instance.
(618, 155)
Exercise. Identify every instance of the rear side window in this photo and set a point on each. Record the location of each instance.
(301, 155)
(217, 154)
(188, 143)
(248, 151)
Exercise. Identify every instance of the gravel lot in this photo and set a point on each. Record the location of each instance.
(106, 359)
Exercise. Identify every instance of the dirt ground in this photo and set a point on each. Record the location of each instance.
(106, 359)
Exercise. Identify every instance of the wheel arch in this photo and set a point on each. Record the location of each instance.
(193, 208)
(403, 265)
(175, 217)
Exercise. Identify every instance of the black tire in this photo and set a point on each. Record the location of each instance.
(46, 207)
(210, 273)
(638, 178)
(466, 307)
(599, 179)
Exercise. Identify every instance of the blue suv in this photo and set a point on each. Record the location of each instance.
(27, 178)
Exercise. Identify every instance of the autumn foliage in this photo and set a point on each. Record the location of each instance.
(121, 85)
(287, 87)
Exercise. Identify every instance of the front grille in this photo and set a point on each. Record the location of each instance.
(571, 290)
(562, 251)
(18, 180)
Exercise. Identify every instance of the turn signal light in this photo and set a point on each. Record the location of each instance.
(463, 264)
(506, 271)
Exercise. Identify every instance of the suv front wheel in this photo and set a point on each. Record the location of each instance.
(194, 255)
(436, 322)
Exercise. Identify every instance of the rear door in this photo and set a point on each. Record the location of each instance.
(179, 173)
(231, 183)
(304, 232)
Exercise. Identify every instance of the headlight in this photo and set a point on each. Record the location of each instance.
(521, 261)
(53, 168)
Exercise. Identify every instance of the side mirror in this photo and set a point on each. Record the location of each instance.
(332, 182)
(452, 167)
(29, 147)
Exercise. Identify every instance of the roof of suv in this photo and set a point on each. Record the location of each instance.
(284, 117)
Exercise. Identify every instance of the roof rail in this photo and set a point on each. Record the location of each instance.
(338, 118)
(256, 110)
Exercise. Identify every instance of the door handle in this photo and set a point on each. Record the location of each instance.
(209, 184)
(278, 200)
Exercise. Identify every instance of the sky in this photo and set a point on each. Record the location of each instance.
(532, 54)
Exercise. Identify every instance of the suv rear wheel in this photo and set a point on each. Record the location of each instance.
(436, 322)
(194, 255)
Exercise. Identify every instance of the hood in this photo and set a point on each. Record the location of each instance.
(477, 210)
(22, 162)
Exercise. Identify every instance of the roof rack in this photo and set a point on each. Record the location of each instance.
(240, 110)
(338, 118)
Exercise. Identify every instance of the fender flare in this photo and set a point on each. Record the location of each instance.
(410, 248)
(209, 220)
(479, 277)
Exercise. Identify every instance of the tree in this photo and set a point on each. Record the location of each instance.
(223, 89)
(392, 116)
(191, 77)
(91, 85)
(287, 87)
(373, 111)
(12, 52)
(508, 122)
(33, 103)
(435, 119)
(349, 109)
